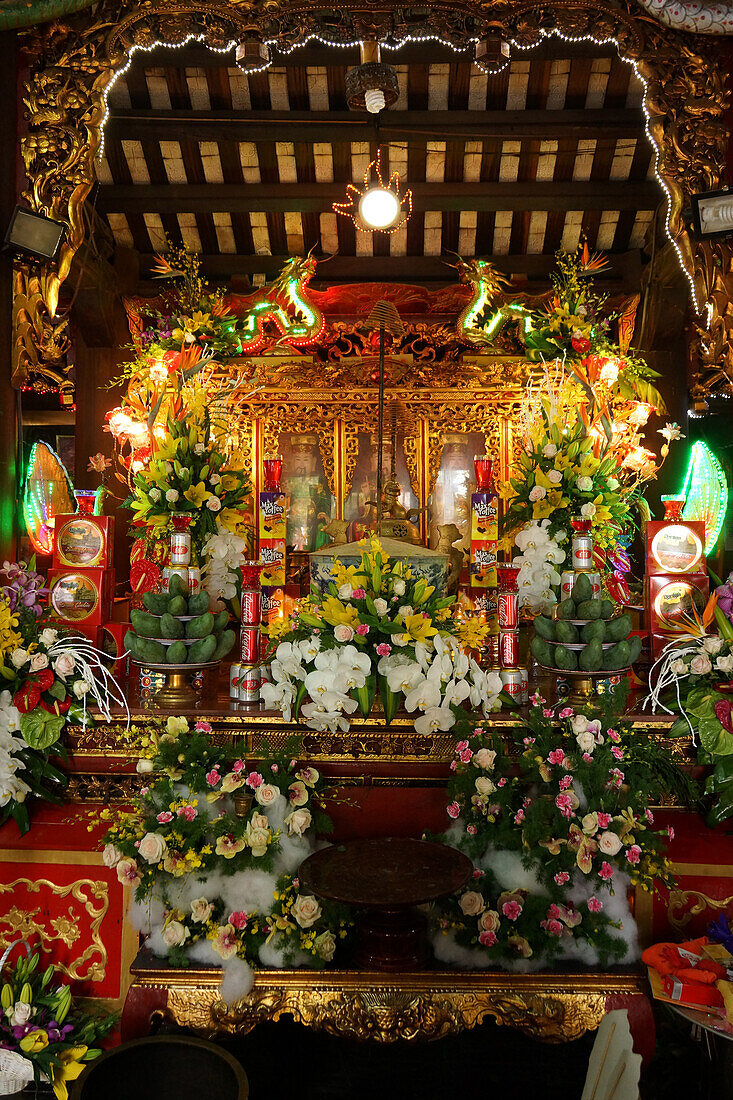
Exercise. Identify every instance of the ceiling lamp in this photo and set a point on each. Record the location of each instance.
(373, 85)
(379, 206)
(252, 55)
(491, 53)
(712, 213)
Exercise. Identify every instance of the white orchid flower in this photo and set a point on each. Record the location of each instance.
(327, 660)
(347, 678)
(435, 718)
(405, 677)
(310, 648)
(318, 683)
(456, 691)
(351, 658)
(393, 660)
(423, 696)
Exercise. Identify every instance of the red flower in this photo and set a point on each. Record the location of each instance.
(581, 344)
(724, 714)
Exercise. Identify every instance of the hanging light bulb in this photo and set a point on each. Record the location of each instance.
(380, 205)
(379, 208)
(373, 85)
(374, 100)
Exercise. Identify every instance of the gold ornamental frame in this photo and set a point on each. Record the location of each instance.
(74, 61)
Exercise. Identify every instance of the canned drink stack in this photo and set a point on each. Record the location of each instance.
(511, 679)
(249, 684)
(235, 671)
(249, 644)
(251, 602)
(509, 648)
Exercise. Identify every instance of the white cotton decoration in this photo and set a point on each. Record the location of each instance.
(509, 871)
(249, 890)
(144, 915)
(447, 951)
(273, 954)
(237, 981)
(156, 944)
(202, 952)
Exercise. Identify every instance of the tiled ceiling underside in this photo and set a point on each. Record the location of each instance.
(513, 165)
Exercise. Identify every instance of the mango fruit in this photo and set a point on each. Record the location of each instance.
(198, 604)
(591, 657)
(202, 650)
(596, 628)
(607, 609)
(177, 654)
(566, 609)
(542, 652)
(545, 628)
(618, 657)
(582, 589)
(200, 626)
(566, 632)
(565, 658)
(171, 627)
(177, 587)
(221, 620)
(157, 602)
(224, 643)
(177, 606)
(620, 628)
(589, 609)
(145, 624)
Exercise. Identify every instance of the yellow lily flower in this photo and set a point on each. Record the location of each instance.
(197, 494)
(541, 479)
(419, 628)
(228, 483)
(68, 1068)
(34, 1041)
(588, 466)
(334, 612)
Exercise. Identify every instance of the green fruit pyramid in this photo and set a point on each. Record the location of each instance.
(158, 632)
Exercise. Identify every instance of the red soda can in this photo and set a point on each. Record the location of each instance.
(511, 679)
(251, 606)
(249, 637)
(508, 610)
(509, 648)
(249, 684)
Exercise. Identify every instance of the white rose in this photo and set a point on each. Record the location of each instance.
(153, 848)
(609, 843)
(19, 1014)
(579, 723)
(398, 587)
(678, 667)
(200, 910)
(555, 476)
(549, 450)
(585, 484)
(298, 821)
(171, 496)
(111, 856)
(258, 840)
(343, 633)
(19, 657)
(472, 904)
(64, 665)
(724, 664)
(699, 665)
(306, 910)
(325, 945)
(214, 479)
(49, 636)
(586, 741)
(380, 606)
(484, 758)
(484, 786)
(588, 510)
(39, 661)
(537, 493)
(154, 494)
(175, 934)
(213, 504)
(144, 767)
(613, 483)
(589, 824)
(405, 610)
(346, 591)
(198, 448)
(266, 794)
(80, 688)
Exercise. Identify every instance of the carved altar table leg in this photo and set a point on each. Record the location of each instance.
(143, 1005)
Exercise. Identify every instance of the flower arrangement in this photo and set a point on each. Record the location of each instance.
(378, 629)
(685, 679)
(555, 842)
(43, 1036)
(224, 553)
(213, 880)
(46, 676)
(538, 561)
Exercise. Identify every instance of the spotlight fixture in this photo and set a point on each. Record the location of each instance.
(712, 213)
(491, 53)
(373, 85)
(34, 234)
(379, 206)
(252, 55)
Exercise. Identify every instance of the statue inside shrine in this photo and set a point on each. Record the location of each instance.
(310, 501)
(395, 521)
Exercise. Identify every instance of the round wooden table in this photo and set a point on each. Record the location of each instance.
(387, 877)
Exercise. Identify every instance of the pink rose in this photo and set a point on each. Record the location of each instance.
(565, 782)
(699, 665)
(453, 810)
(471, 830)
(358, 594)
(556, 756)
(164, 817)
(566, 712)
(633, 853)
(604, 820)
(519, 817)
(362, 629)
(554, 927)
(595, 905)
(343, 633)
(238, 919)
(606, 871)
(254, 780)
(238, 766)
(511, 910)
(203, 727)
(562, 877)
(383, 649)
(487, 939)
(212, 777)
(188, 812)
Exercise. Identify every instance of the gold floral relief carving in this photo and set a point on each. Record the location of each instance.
(411, 450)
(93, 897)
(351, 456)
(680, 912)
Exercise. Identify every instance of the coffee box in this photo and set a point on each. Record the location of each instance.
(83, 541)
(81, 598)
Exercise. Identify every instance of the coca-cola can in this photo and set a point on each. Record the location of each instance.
(194, 580)
(511, 679)
(249, 684)
(582, 552)
(249, 637)
(524, 694)
(251, 606)
(509, 648)
(235, 672)
(508, 610)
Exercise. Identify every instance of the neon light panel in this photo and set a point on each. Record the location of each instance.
(706, 491)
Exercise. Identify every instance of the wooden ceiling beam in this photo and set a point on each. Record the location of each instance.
(283, 197)
(347, 126)
(623, 270)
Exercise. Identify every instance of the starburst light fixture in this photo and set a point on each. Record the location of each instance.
(379, 206)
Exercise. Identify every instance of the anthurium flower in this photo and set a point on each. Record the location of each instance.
(68, 1066)
(197, 494)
